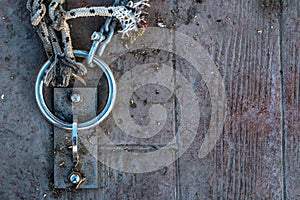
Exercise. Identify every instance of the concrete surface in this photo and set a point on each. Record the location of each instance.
(254, 44)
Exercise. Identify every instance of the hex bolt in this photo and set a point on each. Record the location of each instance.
(75, 178)
(76, 98)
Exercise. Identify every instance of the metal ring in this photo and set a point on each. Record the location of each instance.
(84, 125)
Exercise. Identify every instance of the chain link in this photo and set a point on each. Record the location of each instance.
(103, 36)
(51, 19)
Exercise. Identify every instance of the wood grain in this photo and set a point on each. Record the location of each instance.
(254, 44)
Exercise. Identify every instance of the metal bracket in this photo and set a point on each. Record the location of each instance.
(82, 103)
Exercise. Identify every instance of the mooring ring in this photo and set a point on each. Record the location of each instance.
(84, 125)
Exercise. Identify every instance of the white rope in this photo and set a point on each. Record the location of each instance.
(90, 12)
(38, 16)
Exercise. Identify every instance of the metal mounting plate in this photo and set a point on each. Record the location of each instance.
(88, 140)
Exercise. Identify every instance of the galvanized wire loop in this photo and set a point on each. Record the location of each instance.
(84, 125)
(75, 142)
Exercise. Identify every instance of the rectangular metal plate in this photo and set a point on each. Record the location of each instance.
(88, 140)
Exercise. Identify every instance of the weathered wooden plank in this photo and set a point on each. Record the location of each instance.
(290, 34)
(242, 39)
(117, 184)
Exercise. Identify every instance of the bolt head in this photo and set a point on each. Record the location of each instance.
(75, 178)
(75, 98)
